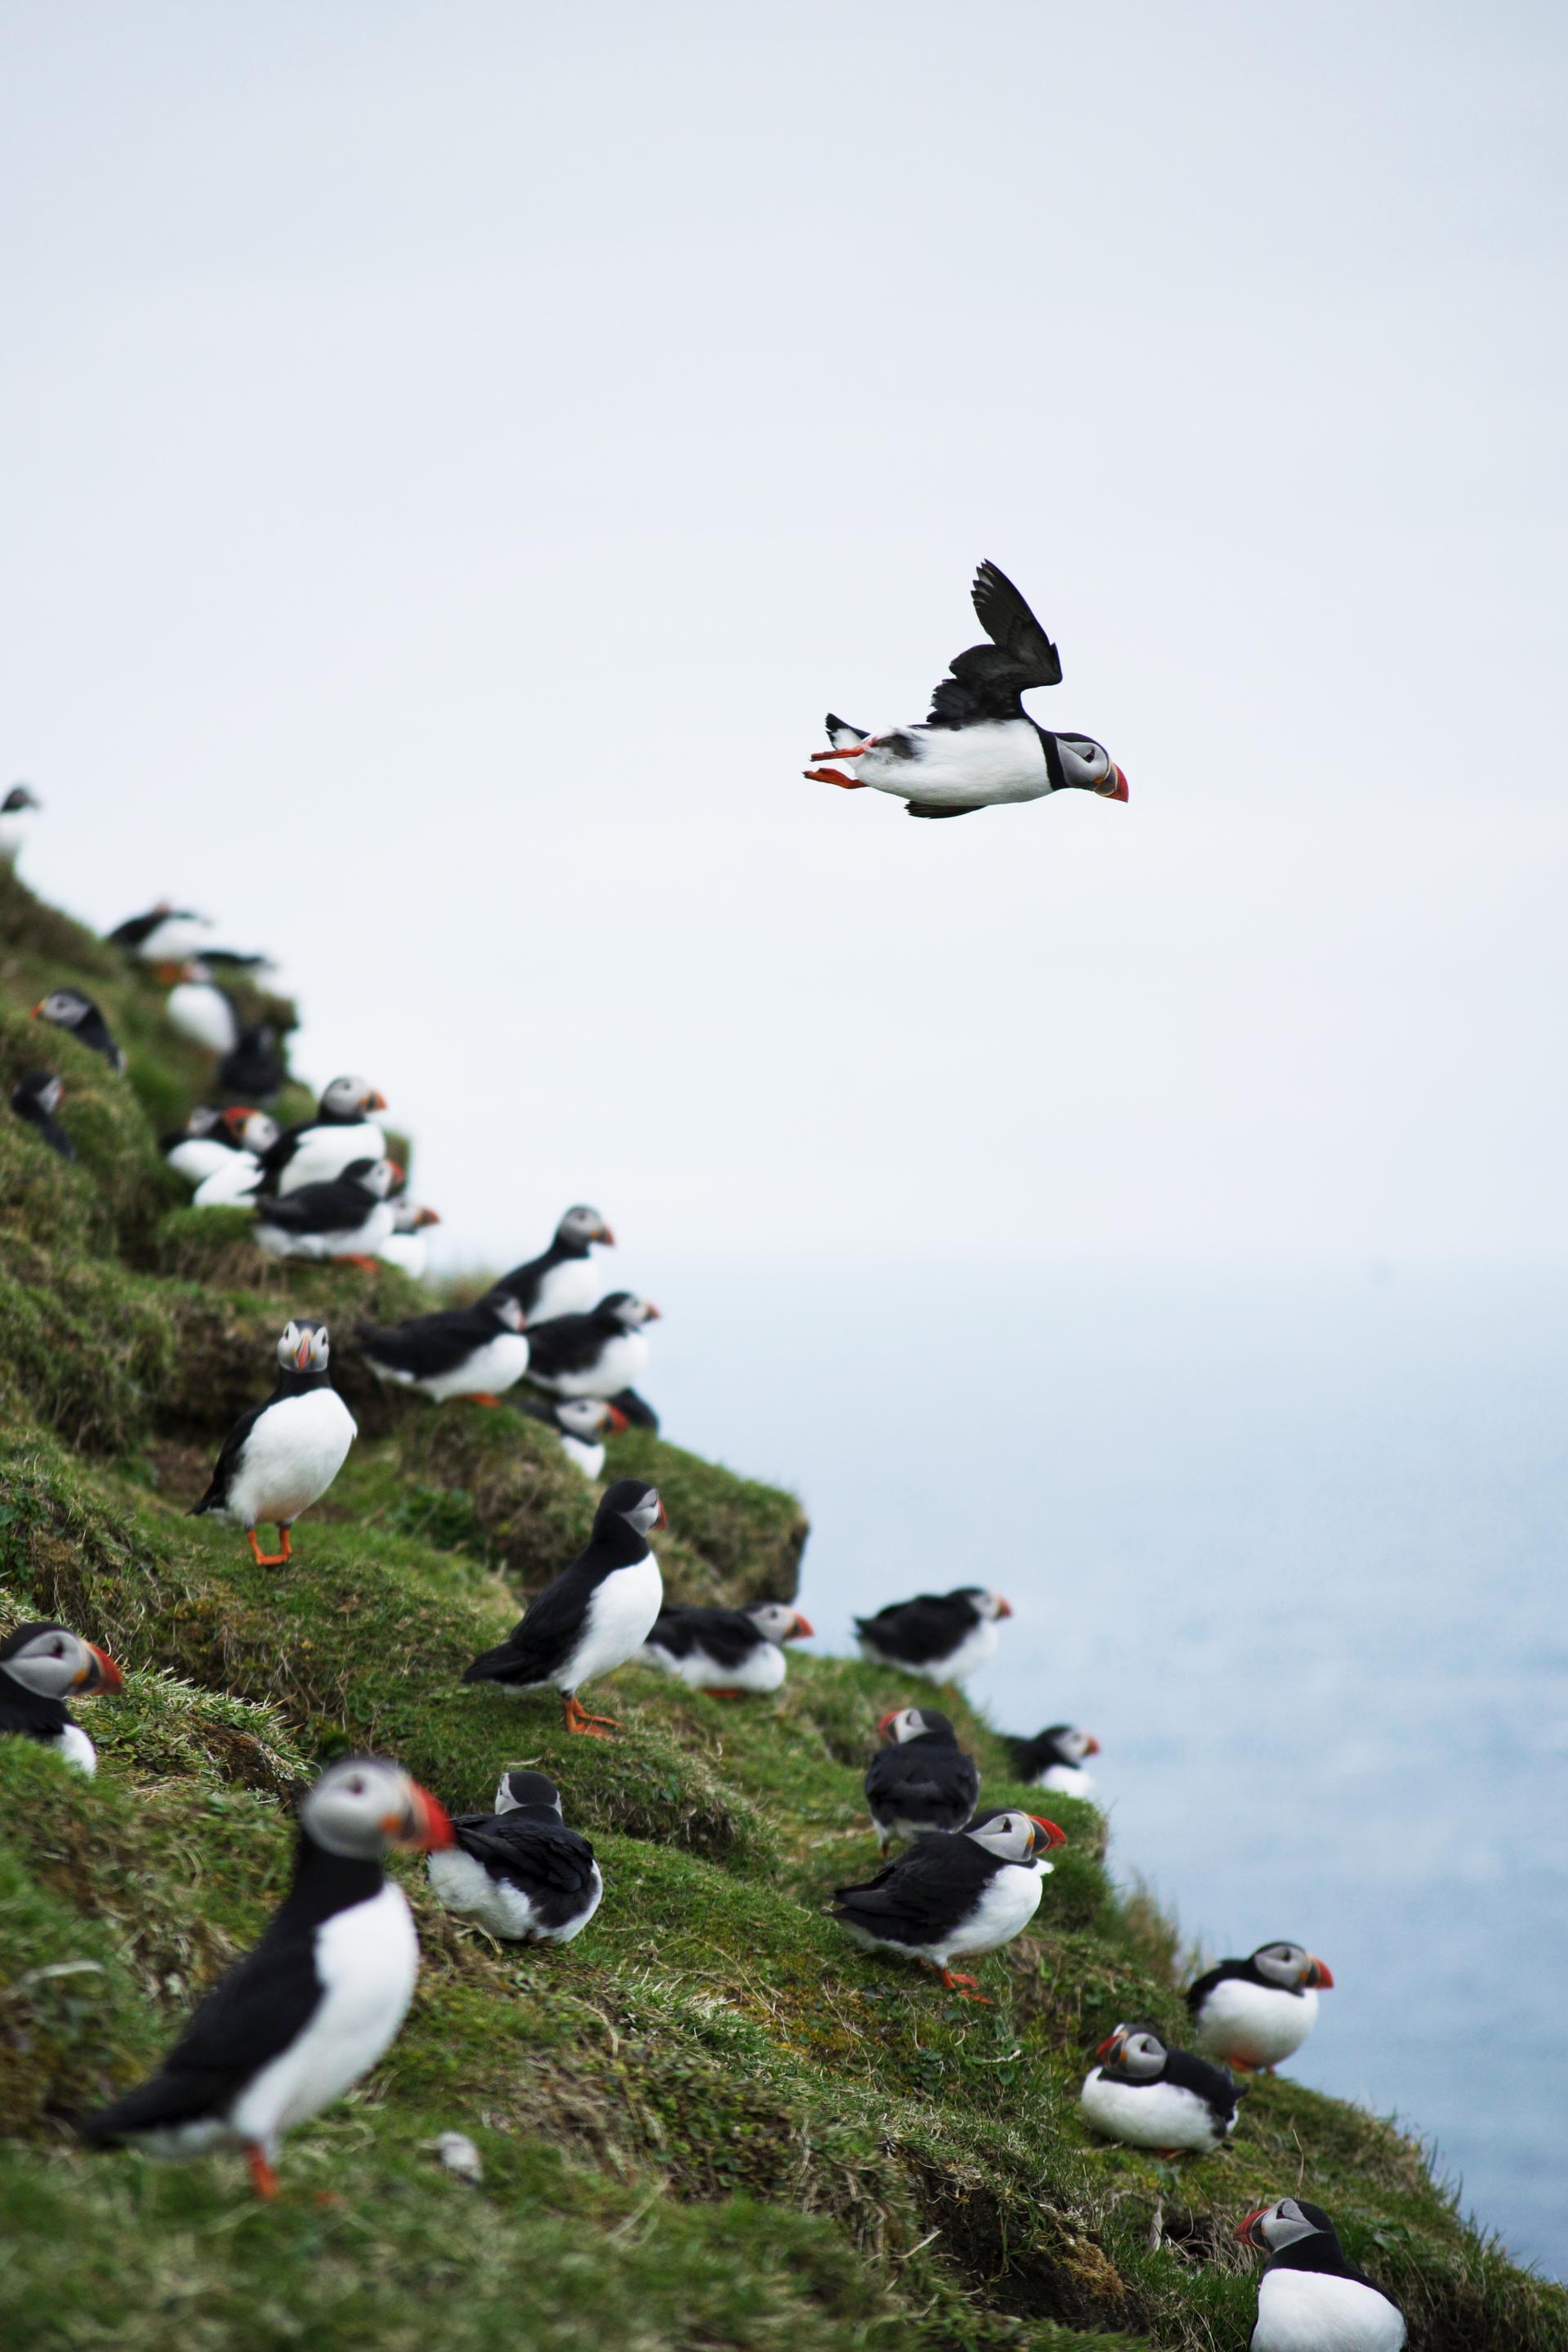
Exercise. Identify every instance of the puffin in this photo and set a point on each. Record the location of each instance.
(212, 1142)
(40, 1667)
(595, 1616)
(16, 812)
(253, 1069)
(1311, 2298)
(1149, 2096)
(564, 1280)
(596, 1355)
(635, 1411)
(321, 1147)
(520, 1872)
(405, 1244)
(202, 1011)
(582, 1424)
(283, 1455)
(166, 935)
(921, 1780)
(725, 1652)
(1053, 1759)
(954, 1894)
(36, 1096)
(977, 746)
(237, 1182)
(943, 1636)
(1256, 2012)
(318, 2002)
(68, 1008)
(347, 1219)
(477, 1351)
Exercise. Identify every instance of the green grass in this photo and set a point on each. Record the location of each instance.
(711, 2123)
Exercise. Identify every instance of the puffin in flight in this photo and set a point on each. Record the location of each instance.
(1311, 2294)
(1053, 1759)
(725, 1652)
(477, 1351)
(921, 1779)
(1147, 2094)
(593, 1617)
(1256, 2012)
(954, 1894)
(283, 1455)
(520, 1870)
(68, 1008)
(317, 2004)
(40, 1667)
(564, 1279)
(943, 1635)
(977, 746)
(36, 1096)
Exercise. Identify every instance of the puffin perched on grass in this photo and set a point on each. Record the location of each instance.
(68, 1008)
(596, 1355)
(40, 1667)
(921, 1779)
(725, 1652)
(347, 1218)
(405, 1244)
(1311, 2298)
(36, 1096)
(201, 1011)
(1256, 2012)
(954, 1894)
(943, 1635)
(253, 1069)
(1053, 1759)
(582, 1424)
(1149, 2096)
(212, 1141)
(564, 1279)
(595, 1616)
(477, 1351)
(977, 746)
(520, 1872)
(300, 2019)
(325, 1147)
(283, 1455)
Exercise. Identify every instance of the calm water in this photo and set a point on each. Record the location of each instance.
(1292, 1547)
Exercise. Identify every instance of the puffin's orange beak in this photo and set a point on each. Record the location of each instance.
(663, 1519)
(1004, 1608)
(1092, 1746)
(1049, 1833)
(1120, 792)
(1320, 1975)
(1109, 2047)
(302, 1357)
(607, 1237)
(103, 1675)
(377, 1100)
(1245, 2229)
(424, 1826)
(886, 1725)
(803, 1631)
(426, 1217)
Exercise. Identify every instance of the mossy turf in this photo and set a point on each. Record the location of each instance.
(711, 2122)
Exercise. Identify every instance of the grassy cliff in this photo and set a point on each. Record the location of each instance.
(711, 2123)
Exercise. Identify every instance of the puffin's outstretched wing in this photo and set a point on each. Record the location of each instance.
(987, 680)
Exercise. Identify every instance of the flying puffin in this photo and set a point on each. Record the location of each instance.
(68, 1008)
(283, 1455)
(564, 1280)
(202, 1011)
(1255, 2012)
(1310, 2298)
(921, 1780)
(36, 1096)
(954, 1894)
(347, 1219)
(16, 821)
(595, 1616)
(1053, 1759)
(405, 1244)
(166, 935)
(943, 1636)
(593, 1355)
(520, 1870)
(726, 1652)
(582, 1424)
(477, 1351)
(40, 1667)
(300, 2019)
(321, 1147)
(1149, 2096)
(977, 746)
(253, 1069)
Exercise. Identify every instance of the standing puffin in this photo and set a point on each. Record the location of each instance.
(202, 1011)
(16, 812)
(595, 1616)
(954, 1894)
(36, 1096)
(282, 1455)
(921, 1780)
(300, 2019)
(68, 1008)
(1256, 2012)
(1310, 2298)
(253, 1069)
(405, 1244)
(40, 1667)
(593, 1355)
(322, 1148)
(977, 746)
(943, 1635)
(520, 1870)
(347, 1218)
(582, 1424)
(1053, 1759)
(1149, 2096)
(726, 1652)
(477, 1351)
(564, 1280)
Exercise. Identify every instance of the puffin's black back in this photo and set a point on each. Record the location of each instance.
(726, 1635)
(548, 1631)
(925, 1629)
(923, 1895)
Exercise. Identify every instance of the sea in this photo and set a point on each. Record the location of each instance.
(1291, 1543)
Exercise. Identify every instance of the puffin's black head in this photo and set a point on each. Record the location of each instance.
(363, 1804)
(989, 1604)
(54, 1663)
(631, 1313)
(252, 1130)
(633, 1502)
(68, 1008)
(348, 1100)
(517, 1788)
(377, 1176)
(1271, 2228)
(1292, 1967)
(1080, 764)
(1134, 2051)
(1068, 1744)
(304, 1346)
(38, 1091)
(902, 1724)
(1013, 1836)
(775, 1620)
(587, 1417)
(20, 797)
(581, 1225)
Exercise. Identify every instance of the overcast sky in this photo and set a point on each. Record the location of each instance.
(455, 454)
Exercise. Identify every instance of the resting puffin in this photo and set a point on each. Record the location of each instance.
(68, 1008)
(477, 1351)
(347, 1218)
(253, 1069)
(211, 1139)
(595, 1616)
(322, 1148)
(726, 1652)
(36, 1096)
(202, 1011)
(237, 1182)
(17, 811)
(943, 1635)
(520, 1870)
(405, 1244)
(1310, 2298)
(1255, 2012)
(977, 746)
(1053, 1759)
(921, 1780)
(318, 2001)
(593, 1355)
(1149, 2096)
(954, 1894)
(582, 1424)
(40, 1665)
(282, 1455)
(564, 1280)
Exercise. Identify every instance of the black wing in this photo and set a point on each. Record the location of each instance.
(565, 1343)
(725, 1635)
(425, 1344)
(542, 1641)
(522, 1283)
(638, 1410)
(921, 1894)
(531, 1853)
(986, 681)
(923, 1786)
(1215, 2085)
(228, 1462)
(335, 1207)
(1199, 1992)
(921, 1631)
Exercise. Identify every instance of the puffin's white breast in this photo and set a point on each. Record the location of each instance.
(1004, 1910)
(762, 1670)
(72, 1742)
(498, 1364)
(1312, 2311)
(323, 1152)
(367, 1958)
(198, 1157)
(1255, 2025)
(356, 1241)
(589, 1458)
(1147, 2114)
(410, 1251)
(621, 1365)
(573, 1288)
(1067, 1780)
(621, 1611)
(229, 1186)
(291, 1457)
(203, 1014)
(1002, 760)
(463, 1884)
(967, 1659)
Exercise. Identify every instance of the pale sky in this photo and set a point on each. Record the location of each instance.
(457, 453)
